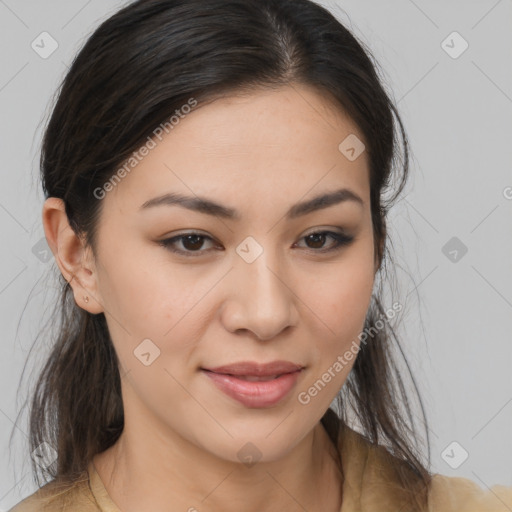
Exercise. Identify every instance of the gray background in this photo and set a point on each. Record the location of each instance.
(458, 115)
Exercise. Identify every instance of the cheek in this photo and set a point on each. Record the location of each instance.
(149, 299)
(154, 326)
(144, 292)
(340, 304)
(341, 296)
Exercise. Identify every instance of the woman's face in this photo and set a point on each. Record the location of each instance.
(253, 285)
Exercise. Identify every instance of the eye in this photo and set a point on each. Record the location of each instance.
(193, 243)
(317, 240)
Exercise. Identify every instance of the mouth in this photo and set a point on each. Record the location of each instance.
(254, 369)
(257, 386)
(253, 378)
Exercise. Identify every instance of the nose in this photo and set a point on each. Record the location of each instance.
(260, 299)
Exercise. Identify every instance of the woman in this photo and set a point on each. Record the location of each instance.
(215, 175)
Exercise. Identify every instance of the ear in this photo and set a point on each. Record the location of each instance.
(75, 262)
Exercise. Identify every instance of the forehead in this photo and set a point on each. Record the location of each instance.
(267, 145)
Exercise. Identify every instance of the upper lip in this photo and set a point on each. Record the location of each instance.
(250, 368)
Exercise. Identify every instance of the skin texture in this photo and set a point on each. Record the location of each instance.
(259, 154)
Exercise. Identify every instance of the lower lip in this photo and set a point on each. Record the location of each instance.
(255, 393)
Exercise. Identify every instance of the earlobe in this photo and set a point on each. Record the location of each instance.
(74, 260)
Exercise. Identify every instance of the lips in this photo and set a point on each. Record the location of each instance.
(249, 369)
(255, 385)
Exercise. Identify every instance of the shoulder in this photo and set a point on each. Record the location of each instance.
(59, 497)
(374, 482)
(463, 495)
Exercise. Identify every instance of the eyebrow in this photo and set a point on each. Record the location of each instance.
(209, 207)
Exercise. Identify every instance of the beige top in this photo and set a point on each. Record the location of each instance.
(365, 488)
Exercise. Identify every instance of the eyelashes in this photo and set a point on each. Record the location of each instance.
(193, 243)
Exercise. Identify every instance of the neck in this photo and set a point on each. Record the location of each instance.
(163, 470)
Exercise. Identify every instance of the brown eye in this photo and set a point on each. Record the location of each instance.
(192, 244)
(316, 241)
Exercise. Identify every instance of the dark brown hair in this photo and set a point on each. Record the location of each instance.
(136, 69)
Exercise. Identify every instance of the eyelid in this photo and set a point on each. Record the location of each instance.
(324, 229)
